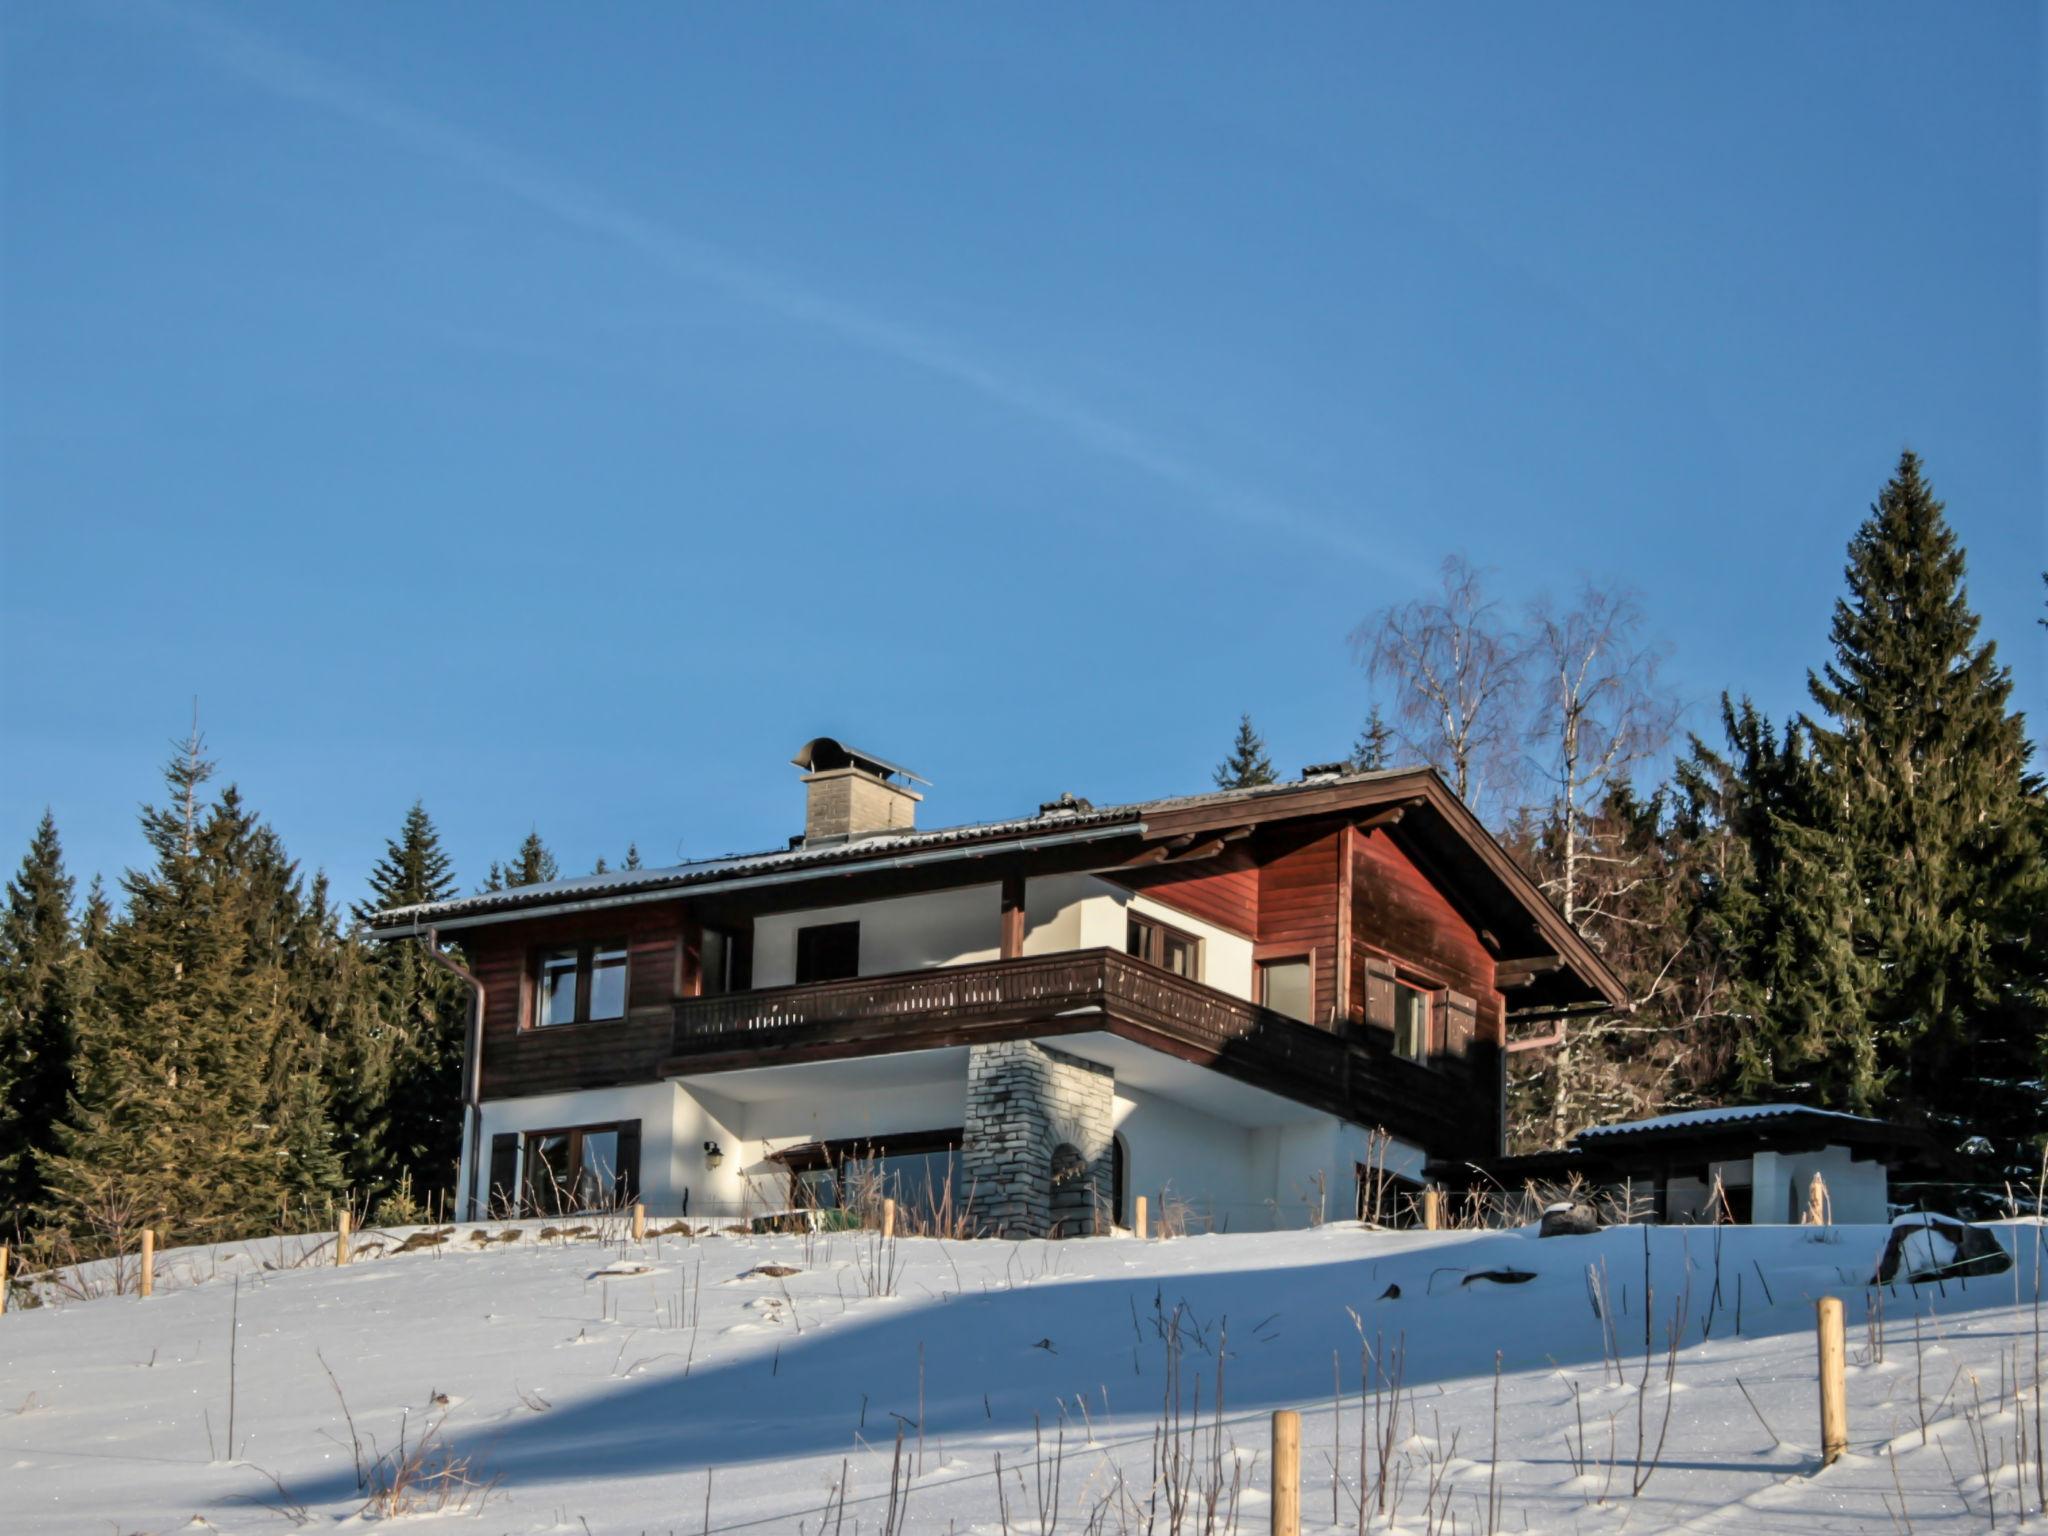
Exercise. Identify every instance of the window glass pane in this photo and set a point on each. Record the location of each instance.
(1411, 1021)
(1178, 955)
(711, 958)
(549, 1186)
(828, 952)
(1287, 986)
(1137, 938)
(597, 1180)
(558, 986)
(608, 983)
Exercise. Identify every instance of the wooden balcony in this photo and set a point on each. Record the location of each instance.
(1356, 1076)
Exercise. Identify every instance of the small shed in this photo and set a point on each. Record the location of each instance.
(1764, 1155)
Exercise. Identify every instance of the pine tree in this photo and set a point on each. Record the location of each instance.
(1247, 767)
(173, 1122)
(533, 864)
(38, 996)
(1781, 918)
(632, 856)
(403, 1119)
(1928, 766)
(1374, 749)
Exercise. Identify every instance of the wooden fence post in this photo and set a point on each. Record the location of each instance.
(1138, 1218)
(1834, 1388)
(341, 1238)
(147, 1283)
(1286, 1473)
(1817, 1204)
(888, 1220)
(3, 1277)
(639, 1222)
(1432, 1208)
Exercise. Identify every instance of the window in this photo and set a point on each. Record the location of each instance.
(827, 952)
(581, 1169)
(713, 958)
(1386, 1199)
(581, 983)
(919, 1170)
(1168, 948)
(1288, 986)
(1411, 1021)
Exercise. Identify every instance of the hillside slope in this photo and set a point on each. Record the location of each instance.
(553, 1395)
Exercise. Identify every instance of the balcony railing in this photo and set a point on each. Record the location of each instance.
(997, 991)
(1074, 991)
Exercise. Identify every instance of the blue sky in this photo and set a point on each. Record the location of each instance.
(560, 414)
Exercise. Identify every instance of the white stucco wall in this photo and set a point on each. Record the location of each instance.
(1246, 1178)
(673, 1129)
(1235, 1177)
(1857, 1192)
(903, 933)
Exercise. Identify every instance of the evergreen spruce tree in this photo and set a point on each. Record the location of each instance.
(533, 864)
(1781, 918)
(403, 1123)
(1927, 766)
(39, 969)
(173, 1119)
(632, 856)
(1247, 767)
(1374, 748)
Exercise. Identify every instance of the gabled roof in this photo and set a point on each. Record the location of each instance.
(1442, 833)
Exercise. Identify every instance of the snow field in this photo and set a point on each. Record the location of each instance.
(560, 1386)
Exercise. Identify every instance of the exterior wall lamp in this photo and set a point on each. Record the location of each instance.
(713, 1154)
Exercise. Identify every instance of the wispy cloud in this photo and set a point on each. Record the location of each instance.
(292, 76)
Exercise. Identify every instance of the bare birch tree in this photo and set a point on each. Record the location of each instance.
(1454, 664)
(1601, 710)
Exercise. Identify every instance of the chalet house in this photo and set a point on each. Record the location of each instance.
(1245, 1002)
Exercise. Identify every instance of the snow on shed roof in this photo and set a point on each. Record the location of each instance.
(1733, 1114)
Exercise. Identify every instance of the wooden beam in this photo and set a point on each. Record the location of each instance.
(1389, 817)
(1347, 857)
(1519, 973)
(1210, 847)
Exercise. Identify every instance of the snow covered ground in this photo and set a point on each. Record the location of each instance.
(705, 1392)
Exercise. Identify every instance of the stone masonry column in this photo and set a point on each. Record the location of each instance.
(1025, 1100)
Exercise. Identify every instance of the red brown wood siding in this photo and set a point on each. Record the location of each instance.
(1223, 890)
(1398, 915)
(1298, 906)
(520, 1059)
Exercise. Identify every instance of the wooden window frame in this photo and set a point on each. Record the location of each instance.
(1431, 1008)
(1155, 947)
(811, 1156)
(1264, 955)
(575, 1133)
(586, 956)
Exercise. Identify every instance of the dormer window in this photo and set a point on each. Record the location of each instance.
(580, 984)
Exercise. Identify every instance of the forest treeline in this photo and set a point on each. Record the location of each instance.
(1846, 908)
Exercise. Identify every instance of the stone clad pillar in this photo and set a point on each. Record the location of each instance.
(1025, 1101)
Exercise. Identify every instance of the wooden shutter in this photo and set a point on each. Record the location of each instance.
(502, 1198)
(629, 1161)
(1461, 1020)
(1379, 994)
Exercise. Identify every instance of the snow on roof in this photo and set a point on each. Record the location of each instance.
(1733, 1114)
(733, 866)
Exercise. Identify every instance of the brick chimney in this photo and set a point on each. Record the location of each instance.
(852, 794)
